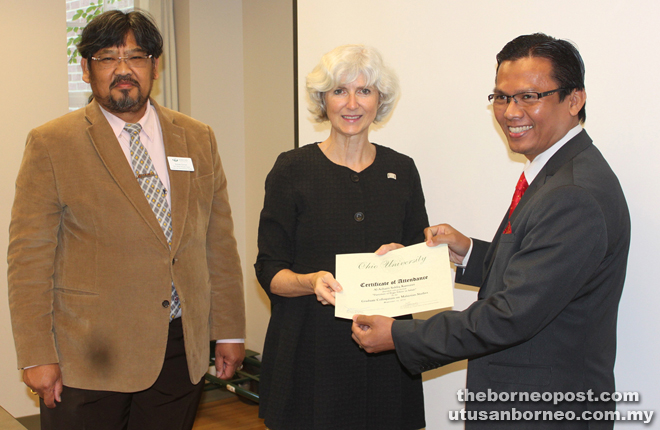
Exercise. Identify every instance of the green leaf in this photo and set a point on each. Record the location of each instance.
(69, 29)
(77, 15)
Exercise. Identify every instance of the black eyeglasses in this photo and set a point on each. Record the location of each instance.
(526, 98)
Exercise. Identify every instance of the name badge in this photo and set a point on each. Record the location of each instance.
(181, 163)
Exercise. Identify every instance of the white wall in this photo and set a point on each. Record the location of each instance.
(444, 53)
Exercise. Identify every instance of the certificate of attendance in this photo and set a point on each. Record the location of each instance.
(416, 278)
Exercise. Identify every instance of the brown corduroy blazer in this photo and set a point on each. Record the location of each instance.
(89, 268)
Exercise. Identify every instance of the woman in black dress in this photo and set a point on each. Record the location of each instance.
(343, 195)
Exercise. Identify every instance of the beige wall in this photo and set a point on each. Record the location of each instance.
(269, 128)
(34, 90)
(235, 68)
(235, 73)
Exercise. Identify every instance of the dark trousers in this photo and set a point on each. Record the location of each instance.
(171, 403)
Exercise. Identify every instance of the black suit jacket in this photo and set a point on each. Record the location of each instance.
(545, 320)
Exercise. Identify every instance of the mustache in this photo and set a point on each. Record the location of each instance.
(121, 79)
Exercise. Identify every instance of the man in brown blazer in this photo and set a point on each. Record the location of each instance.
(113, 309)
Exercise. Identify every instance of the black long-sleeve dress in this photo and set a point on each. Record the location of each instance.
(313, 375)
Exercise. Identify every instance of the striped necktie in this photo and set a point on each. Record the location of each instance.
(154, 192)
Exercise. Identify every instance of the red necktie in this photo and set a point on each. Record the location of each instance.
(521, 187)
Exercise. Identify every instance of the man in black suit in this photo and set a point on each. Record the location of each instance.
(551, 279)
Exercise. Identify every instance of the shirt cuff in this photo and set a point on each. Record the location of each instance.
(467, 256)
(230, 341)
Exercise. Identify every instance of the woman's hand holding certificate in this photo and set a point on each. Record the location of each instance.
(416, 278)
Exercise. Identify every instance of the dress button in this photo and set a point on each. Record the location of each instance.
(359, 216)
(355, 177)
(174, 261)
(166, 304)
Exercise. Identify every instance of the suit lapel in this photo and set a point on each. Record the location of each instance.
(565, 154)
(114, 160)
(174, 139)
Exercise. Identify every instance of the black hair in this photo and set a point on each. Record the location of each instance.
(567, 64)
(111, 28)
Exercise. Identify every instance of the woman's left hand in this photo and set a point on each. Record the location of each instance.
(384, 249)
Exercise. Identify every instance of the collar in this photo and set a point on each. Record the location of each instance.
(532, 168)
(148, 121)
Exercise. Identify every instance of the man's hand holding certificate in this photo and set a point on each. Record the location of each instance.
(416, 278)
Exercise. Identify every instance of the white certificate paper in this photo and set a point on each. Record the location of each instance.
(416, 278)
